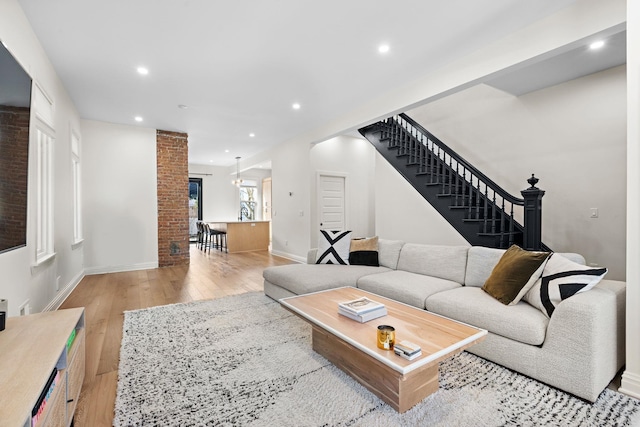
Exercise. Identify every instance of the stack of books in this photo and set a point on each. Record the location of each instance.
(407, 350)
(362, 309)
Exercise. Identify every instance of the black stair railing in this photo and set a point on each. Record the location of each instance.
(468, 190)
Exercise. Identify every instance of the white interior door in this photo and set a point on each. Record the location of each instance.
(331, 203)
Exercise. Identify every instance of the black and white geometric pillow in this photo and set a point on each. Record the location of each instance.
(333, 247)
(560, 280)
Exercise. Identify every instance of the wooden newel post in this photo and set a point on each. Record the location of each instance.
(532, 215)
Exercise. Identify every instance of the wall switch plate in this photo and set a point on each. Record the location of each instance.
(593, 213)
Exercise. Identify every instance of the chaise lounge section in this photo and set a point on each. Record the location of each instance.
(579, 349)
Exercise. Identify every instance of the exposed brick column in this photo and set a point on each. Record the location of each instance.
(173, 198)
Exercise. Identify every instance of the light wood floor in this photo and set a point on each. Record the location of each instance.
(106, 296)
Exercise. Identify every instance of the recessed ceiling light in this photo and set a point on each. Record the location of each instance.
(226, 151)
(252, 135)
(142, 70)
(296, 106)
(210, 161)
(383, 48)
(138, 118)
(597, 45)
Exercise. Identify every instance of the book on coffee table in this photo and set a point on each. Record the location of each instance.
(404, 356)
(407, 349)
(364, 317)
(360, 306)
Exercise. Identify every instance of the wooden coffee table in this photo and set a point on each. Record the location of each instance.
(351, 345)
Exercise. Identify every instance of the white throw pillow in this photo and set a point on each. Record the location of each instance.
(333, 247)
(560, 280)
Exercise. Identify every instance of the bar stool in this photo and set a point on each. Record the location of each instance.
(200, 228)
(223, 240)
(213, 237)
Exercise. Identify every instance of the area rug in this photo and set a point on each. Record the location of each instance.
(245, 361)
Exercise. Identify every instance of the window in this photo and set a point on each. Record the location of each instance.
(45, 137)
(248, 203)
(76, 176)
(195, 206)
(44, 191)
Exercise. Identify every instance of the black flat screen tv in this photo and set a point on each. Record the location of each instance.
(15, 103)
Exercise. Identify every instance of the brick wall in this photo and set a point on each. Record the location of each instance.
(173, 198)
(14, 159)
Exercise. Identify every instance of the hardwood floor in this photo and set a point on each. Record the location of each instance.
(106, 296)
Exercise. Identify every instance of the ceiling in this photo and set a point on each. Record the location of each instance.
(239, 66)
(571, 64)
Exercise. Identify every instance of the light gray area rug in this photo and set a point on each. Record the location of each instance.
(245, 361)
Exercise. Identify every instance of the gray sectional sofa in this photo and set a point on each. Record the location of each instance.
(578, 350)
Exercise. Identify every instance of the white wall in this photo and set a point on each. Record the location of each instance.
(572, 136)
(220, 199)
(631, 376)
(291, 194)
(354, 158)
(20, 282)
(120, 197)
(403, 214)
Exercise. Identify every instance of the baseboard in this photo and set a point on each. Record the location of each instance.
(630, 384)
(64, 293)
(292, 257)
(119, 268)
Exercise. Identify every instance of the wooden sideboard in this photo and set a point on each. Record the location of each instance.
(30, 348)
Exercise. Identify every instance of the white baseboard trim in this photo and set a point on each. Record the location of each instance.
(292, 257)
(119, 268)
(630, 384)
(64, 293)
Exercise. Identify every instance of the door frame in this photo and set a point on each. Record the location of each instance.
(343, 175)
(199, 182)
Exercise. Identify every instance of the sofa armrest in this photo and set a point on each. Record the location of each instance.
(586, 334)
(312, 255)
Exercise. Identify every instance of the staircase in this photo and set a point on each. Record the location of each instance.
(479, 209)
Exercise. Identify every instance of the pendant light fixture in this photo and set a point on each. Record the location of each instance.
(237, 182)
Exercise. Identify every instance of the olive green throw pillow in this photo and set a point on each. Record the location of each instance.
(515, 273)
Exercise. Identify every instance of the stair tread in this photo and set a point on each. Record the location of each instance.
(481, 219)
(500, 234)
(467, 207)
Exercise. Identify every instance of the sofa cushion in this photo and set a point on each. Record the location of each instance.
(515, 274)
(305, 278)
(480, 263)
(444, 262)
(364, 252)
(389, 252)
(561, 279)
(521, 322)
(409, 288)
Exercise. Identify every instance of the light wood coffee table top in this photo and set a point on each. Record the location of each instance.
(438, 336)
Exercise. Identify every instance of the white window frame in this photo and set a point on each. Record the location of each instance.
(45, 138)
(76, 173)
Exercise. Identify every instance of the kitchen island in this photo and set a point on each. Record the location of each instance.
(244, 236)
